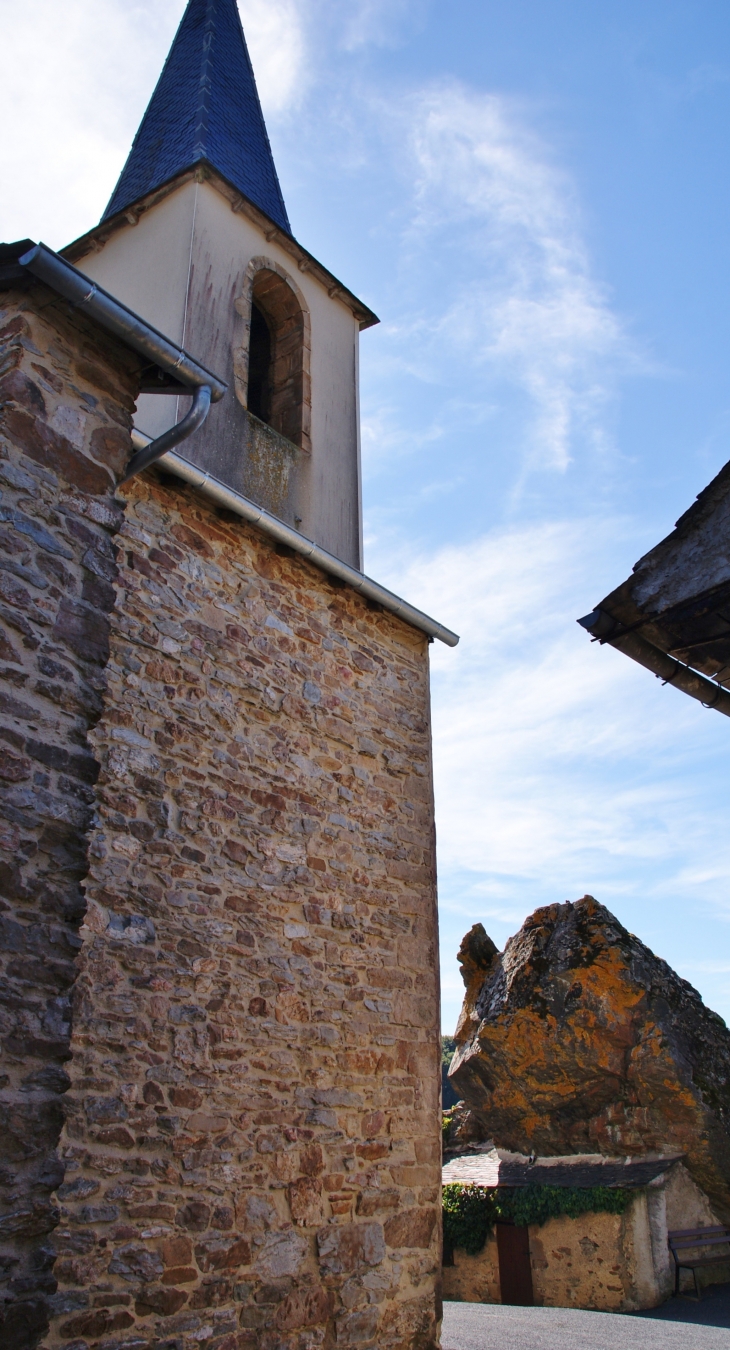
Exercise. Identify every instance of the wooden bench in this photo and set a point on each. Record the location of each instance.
(682, 1240)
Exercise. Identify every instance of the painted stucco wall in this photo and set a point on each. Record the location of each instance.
(183, 267)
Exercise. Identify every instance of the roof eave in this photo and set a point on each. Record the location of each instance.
(94, 240)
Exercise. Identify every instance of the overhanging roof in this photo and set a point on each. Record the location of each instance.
(501, 1168)
(672, 614)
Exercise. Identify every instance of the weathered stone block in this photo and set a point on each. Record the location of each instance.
(577, 1039)
(349, 1247)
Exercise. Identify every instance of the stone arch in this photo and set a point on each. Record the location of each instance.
(270, 294)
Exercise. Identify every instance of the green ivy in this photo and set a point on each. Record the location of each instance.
(446, 1120)
(470, 1212)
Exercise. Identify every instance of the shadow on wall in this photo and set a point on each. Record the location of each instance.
(449, 1096)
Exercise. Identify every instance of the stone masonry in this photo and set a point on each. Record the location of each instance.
(66, 399)
(252, 1143)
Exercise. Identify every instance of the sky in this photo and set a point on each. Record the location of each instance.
(534, 198)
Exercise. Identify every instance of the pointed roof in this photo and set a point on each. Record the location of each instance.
(205, 108)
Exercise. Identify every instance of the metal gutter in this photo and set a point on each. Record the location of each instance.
(184, 373)
(668, 669)
(284, 534)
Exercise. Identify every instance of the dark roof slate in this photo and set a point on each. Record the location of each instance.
(501, 1168)
(205, 108)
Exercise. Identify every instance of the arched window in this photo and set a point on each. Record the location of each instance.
(277, 380)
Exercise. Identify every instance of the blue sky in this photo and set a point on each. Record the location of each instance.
(534, 198)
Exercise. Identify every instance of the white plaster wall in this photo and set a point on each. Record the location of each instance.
(688, 1207)
(182, 268)
(225, 243)
(146, 266)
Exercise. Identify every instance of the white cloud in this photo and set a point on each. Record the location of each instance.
(276, 35)
(378, 22)
(524, 304)
(77, 77)
(561, 767)
(542, 739)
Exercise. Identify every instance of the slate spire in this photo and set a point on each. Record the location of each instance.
(205, 108)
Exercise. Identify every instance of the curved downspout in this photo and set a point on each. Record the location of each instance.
(116, 318)
(173, 436)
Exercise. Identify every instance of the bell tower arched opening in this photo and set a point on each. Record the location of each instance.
(278, 373)
(259, 366)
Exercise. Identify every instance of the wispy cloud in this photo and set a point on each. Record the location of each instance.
(561, 767)
(525, 306)
(530, 718)
(277, 37)
(378, 22)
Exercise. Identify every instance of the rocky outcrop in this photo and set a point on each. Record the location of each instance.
(577, 1039)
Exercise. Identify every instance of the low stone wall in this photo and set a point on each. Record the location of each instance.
(576, 1263)
(474, 1279)
(252, 1151)
(66, 398)
(600, 1261)
(606, 1262)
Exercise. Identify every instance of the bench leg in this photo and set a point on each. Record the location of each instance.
(697, 1285)
(676, 1281)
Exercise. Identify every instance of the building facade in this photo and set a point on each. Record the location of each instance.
(219, 936)
(600, 1260)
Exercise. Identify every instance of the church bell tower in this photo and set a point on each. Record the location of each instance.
(196, 239)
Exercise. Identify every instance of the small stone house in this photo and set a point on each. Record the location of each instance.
(219, 1030)
(601, 1260)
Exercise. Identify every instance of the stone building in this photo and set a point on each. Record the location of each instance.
(217, 881)
(609, 1262)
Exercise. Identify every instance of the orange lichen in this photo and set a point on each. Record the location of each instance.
(578, 1039)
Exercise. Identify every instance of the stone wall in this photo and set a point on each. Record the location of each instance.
(606, 1262)
(590, 1262)
(252, 1150)
(251, 1154)
(66, 397)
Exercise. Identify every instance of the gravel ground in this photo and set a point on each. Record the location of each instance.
(491, 1326)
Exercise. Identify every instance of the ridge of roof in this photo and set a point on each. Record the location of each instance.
(205, 107)
(96, 238)
(499, 1167)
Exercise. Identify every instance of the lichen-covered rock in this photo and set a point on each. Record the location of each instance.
(577, 1039)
